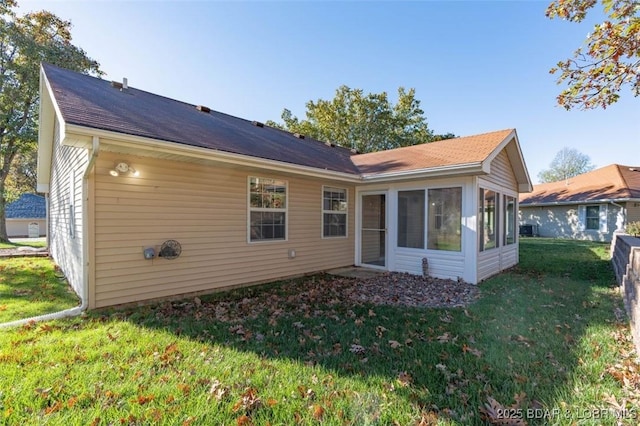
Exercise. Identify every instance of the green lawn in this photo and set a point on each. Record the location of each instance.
(36, 243)
(542, 342)
(30, 286)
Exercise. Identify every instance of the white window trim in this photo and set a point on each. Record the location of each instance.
(323, 211)
(603, 213)
(262, 209)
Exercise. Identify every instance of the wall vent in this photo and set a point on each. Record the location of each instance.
(257, 124)
(203, 108)
(298, 135)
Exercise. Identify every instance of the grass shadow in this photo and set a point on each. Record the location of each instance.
(31, 286)
(540, 337)
(523, 343)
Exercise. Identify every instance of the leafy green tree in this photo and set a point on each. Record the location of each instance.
(25, 42)
(365, 122)
(22, 176)
(566, 164)
(609, 59)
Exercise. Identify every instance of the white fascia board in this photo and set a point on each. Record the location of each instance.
(46, 125)
(144, 143)
(442, 171)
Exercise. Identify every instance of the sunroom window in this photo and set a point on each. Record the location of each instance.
(487, 219)
(411, 219)
(445, 219)
(509, 220)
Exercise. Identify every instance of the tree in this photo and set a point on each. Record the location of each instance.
(610, 58)
(363, 122)
(22, 176)
(25, 42)
(566, 164)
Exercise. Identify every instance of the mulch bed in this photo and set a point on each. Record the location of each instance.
(322, 296)
(401, 289)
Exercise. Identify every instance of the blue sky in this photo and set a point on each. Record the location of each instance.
(476, 66)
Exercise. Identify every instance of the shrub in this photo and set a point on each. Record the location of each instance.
(633, 228)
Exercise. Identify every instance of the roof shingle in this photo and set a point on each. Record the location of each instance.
(28, 206)
(613, 182)
(449, 152)
(93, 102)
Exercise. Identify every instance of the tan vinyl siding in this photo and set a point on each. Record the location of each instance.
(633, 212)
(65, 233)
(502, 172)
(205, 209)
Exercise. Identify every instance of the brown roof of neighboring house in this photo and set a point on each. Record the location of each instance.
(613, 182)
(450, 152)
(93, 102)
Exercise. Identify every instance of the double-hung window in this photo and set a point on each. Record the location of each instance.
(334, 212)
(593, 217)
(267, 209)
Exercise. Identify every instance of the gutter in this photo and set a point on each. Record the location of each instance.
(84, 297)
(567, 203)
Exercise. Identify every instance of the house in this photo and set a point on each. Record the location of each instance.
(590, 206)
(26, 217)
(151, 197)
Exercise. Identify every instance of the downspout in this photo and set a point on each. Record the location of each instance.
(622, 210)
(84, 297)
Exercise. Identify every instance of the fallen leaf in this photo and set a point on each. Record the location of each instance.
(318, 412)
(271, 402)
(357, 349)
(394, 344)
(243, 420)
(404, 378)
(218, 391)
(497, 414)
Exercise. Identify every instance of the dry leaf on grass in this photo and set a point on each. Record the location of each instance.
(497, 414)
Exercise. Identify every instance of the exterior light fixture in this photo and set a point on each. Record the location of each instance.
(122, 168)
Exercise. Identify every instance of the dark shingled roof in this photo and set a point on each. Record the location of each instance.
(93, 102)
(28, 206)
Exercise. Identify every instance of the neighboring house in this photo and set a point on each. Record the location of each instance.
(590, 206)
(127, 171)
(26, 217)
